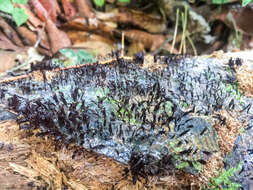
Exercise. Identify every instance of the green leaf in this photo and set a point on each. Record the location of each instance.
(223, 178)
(168, 108)
(125, 1)
(84, 56)
(172, 144)
(6, 6)
(197, 166)
(76, 58)
(20, 1)
(19, 16)
(67, 52)
(99, 3)
(220, 1)
(246, 2)
(182, 165)
(185, 105)
(229, 88)
(176, 149)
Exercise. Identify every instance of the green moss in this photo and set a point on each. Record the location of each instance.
(182, 165)
(197, 166)
(184, 104)
(224, 179)
(76, 58)
(173, 146)
(235, 91)
(168, 108)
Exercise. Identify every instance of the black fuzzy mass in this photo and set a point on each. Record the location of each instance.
(151, 119)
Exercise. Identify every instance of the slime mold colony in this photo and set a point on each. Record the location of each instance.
(152, 119)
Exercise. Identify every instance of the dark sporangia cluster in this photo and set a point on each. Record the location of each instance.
(46, 64)
(233, 63)
(153, 120)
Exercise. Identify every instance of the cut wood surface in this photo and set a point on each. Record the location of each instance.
(28, 162)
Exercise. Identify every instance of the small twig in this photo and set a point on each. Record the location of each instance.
(39, 31)
(184, 23)
(147, 6)
(191, 42)
(182, 38)
(175, 33)
(122, 44)
(237, 32)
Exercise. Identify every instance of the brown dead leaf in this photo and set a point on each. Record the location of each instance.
(39, 10)
(69, 10)
(91, 25)
(95, 47)
(6, 44)
(7, 59)
(10, 32)
(58, 39)
(29, 37)
(136, 18)
(91, 42)
(243, 19)
(135, 47)
(49, 7)
(81, 36)
(42, 35)
(32, 19)
(56, 6)
(44, 51)
(150, 41)
(84, 9)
